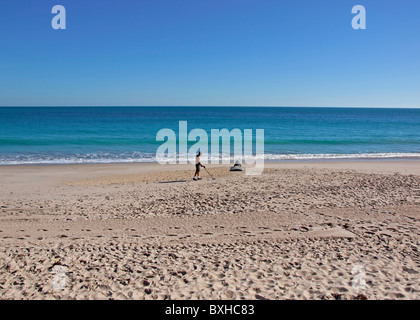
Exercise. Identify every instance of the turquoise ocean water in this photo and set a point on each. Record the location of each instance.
(64, 135)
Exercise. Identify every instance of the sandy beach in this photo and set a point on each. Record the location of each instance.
(301, 230)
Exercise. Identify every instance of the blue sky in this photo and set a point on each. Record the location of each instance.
(211, 53)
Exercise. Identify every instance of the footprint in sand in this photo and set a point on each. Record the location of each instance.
(230, 294)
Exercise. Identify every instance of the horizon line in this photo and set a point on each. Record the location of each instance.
(201, 106)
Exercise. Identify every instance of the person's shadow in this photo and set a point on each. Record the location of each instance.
(175, 181)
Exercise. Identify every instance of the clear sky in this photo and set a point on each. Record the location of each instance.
(210, 52)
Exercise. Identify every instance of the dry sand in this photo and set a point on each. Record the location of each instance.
(301, 230)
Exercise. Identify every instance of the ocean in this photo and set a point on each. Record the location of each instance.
(70, 135)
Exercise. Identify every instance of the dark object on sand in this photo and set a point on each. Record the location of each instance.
(237, 167)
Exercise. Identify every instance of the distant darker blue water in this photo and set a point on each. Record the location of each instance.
(39, 135)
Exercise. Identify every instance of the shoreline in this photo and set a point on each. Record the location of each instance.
(412, 156)
(316, 160)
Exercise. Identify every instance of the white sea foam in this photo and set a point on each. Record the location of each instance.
(342, 156)
(148, 158)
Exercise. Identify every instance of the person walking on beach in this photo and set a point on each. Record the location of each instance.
(198, 165)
